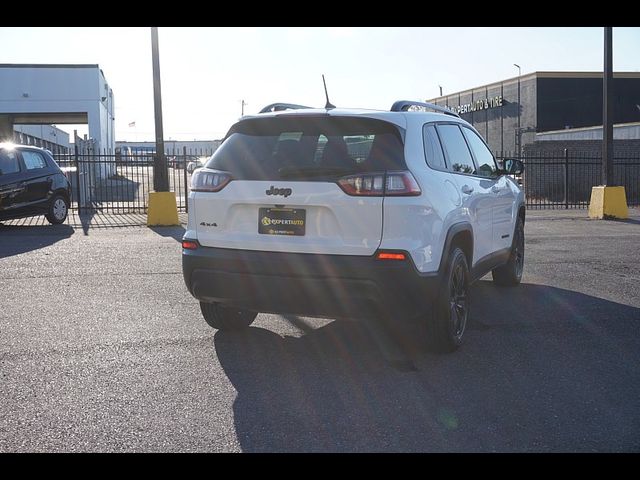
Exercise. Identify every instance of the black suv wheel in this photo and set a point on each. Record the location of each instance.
(510, 274)
(451, 310)
(226, 318)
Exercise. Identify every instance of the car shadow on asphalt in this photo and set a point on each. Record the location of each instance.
(542, 369)
(17, 239)
(176, 232)
(633, 221)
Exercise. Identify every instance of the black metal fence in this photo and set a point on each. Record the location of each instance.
(120, 183)
(564, 179)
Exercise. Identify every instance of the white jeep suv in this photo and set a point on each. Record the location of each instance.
(352, 213)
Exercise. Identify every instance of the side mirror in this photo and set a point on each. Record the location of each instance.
(513, 166)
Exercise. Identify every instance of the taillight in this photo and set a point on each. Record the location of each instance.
(189, 244)
(401, 183)
(363, 184)
(209, 180)
(396, 183)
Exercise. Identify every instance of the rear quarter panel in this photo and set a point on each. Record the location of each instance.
(419, 224)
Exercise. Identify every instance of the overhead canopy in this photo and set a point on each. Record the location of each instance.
(47, 118)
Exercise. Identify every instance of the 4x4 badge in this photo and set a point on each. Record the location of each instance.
(278, 191)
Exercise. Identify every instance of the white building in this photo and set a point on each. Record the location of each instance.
(172, 147)
(46, 136)
(33, 94)
(621, 131)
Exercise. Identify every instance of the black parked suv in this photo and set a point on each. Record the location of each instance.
(31, 183)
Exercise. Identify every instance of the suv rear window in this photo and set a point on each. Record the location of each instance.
(308, 148)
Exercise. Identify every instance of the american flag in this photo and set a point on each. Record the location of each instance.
(132, 124)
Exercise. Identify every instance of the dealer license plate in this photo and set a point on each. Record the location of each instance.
(281, 221)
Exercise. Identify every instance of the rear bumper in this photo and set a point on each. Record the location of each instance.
(308, 284)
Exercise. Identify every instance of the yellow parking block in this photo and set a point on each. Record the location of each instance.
(163, 209)
(608, 202)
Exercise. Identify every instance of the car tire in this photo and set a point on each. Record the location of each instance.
(226, 318)
(58, 209)
(510, 274)
(448, 319)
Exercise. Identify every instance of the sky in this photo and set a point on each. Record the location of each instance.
(207, 71)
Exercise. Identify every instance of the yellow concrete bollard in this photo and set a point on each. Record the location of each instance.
(608, 202)
(163, 210)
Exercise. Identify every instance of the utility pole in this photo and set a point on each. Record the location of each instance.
(608, 200)
(160, 170)
(519, 136)
(243, 103)
(607, 109)
(440, 89)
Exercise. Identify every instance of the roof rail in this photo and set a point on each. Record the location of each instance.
(403, 106)
(276, 107)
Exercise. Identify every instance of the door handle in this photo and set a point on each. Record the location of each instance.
(466, 189)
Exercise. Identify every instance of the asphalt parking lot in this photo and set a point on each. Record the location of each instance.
(103, 349)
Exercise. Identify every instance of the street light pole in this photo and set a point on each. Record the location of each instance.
(440, 89)
(608, 200)
(160, 171)
(519, 108)
(607, 110)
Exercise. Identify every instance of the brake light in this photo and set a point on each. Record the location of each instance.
(396, 183)
(382, 255)
(209, 180)
(189, 244)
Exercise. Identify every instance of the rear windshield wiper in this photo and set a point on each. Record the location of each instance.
(289, 172)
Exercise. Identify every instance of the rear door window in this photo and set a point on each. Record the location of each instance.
(484, 157)
(458, 154)
(309, 148)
